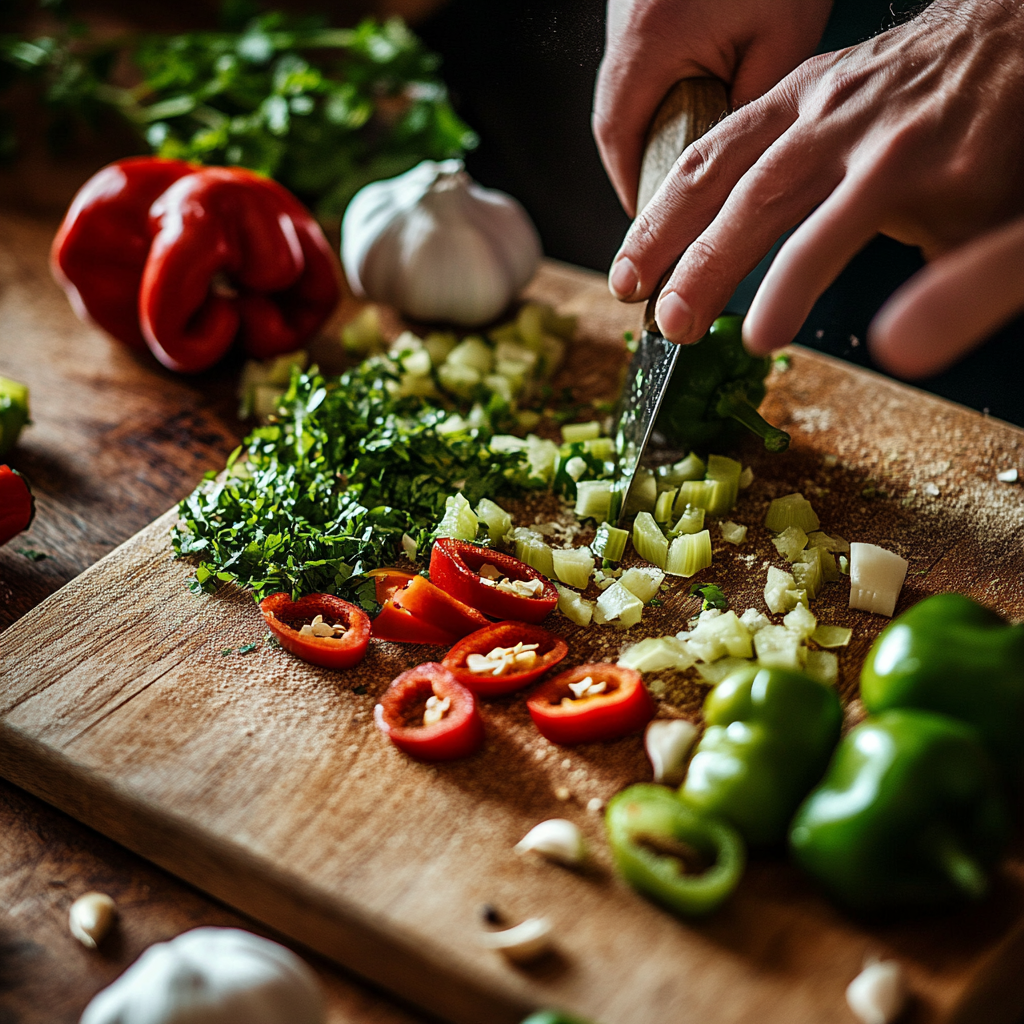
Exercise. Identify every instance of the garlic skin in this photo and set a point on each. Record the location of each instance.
(878, 994)
(91, 917)
(437, 246)
(556, 839)
(522, 943)
(668, 742)
(212, 976)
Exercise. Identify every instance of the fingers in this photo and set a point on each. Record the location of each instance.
(692, 194)
(952, 305)
(809, 261)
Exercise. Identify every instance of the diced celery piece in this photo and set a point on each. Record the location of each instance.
(439, 345)
(726, 472)
(822, 666)
(501, 386)
(530, 324)
(474, 353)
(792, 510)
(495, 518)
(416, 362)
(656, 654)
(820, 539)
(746, 478)
(418, 385)
(721, 669)
(691, 520)
(754, 620)
(609, 543)
(507, 443)
(829, 570)
(790, 543)
(689, 553)
(832, 636)
(573, 607)
(690, 468)
(800, 621)
(541, 456)
(617, 604)
(362, 335)
(643, 494)
(779, 591)
(575, 468)
(696, 492)
(643, 581)
(602, 448)
(649, 541)
(724, 634)
(594, 500)
(663, 506)
(516, 374)
(507, 333)
(552, 351)
(733, 533)
(572, 432)
(536, 554)
(512, 352)
(807, 572)
(573, 566)
(461, 381)
(778, 647)
(458, 521)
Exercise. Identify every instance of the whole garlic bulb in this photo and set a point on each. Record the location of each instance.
(438, 246)
(212, 976)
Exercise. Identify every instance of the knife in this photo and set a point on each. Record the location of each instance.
(691, 107)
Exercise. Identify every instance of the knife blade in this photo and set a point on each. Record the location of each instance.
(689, 109)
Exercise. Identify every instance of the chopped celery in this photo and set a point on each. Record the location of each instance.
(778, 647)
(618, 604)
(439, 344)
(807, 572)
(530, 324)
(573, 566)
(722, 669)
(695, 492)
(541, 456)
(820, 539)
(474, 353)
(800, 621)
(689, 553)
(461, 381)
(790, 543)
(501, 386)
(792, 510)
(580, 431)
(552, 351)
(454, 424)
(746, 478)
(609, 543)
(690, 468)
(663, 506)
(725, 472)
(575, 468)
(511, 352)
(594, 500)
(602, 448)
(649, 541)
(733, 533)
(536, 554)
(719, 635)
(643, 581)
(573, 607)
(829, 570)
(416, 362)
(656, 654)
(643, 494)
(691, 520)
(822, 666)
(832, 636)
(495, 518)
(458, 521)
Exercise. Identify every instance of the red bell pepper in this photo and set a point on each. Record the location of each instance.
(455, 567)
(623, 705)
(17, 506)
(549, 652)
(285, 618)
(415, 611)
(184, 258)
(430, 690)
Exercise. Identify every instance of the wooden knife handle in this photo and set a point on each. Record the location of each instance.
(689, 109)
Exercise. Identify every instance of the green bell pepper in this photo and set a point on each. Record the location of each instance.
(685, 861)
(553, 1017)
(951, 655)
(717, 385)
(768, 739)
(13, 413)
(909, 815)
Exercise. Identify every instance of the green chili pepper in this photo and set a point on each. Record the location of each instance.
(949, 654)
(13, 413)
(768, 739)
(687, 862)
(717, 385)
(553, 1017)
(910, 814)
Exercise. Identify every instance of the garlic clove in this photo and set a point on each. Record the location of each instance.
(557, 839)
(91, 918)
(522, 943)
(668, 742)
(878, 994)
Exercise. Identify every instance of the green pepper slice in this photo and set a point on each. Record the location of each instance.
(13, 413)
(654, 836)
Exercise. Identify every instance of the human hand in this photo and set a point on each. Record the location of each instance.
(914, 134)
(652, 44)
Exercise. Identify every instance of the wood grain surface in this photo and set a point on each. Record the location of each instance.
(263, 781)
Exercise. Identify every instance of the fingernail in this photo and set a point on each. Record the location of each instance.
(674, 316)
(623, 281)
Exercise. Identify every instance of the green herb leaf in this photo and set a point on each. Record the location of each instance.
(712, 596)
(248, 648)
(32, 554)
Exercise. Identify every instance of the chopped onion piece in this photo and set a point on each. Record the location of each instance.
(778, 647)
(754, 620)
(720, 670)
(573, 566)
(617, 604)
(656, 654)
(573, 607)
(790, 543)
(800, 621)
(879, 993)
(1008, 476)
(643, 581)
(822, 666)
(876, 578)
(746, 478)
(733, 533)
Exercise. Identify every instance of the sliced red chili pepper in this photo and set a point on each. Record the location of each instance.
(427, 603)
(455, 567)
(17, 506)
(550, 651)
(623, 707)
(402, 627)
(281, 612)
(458, 732)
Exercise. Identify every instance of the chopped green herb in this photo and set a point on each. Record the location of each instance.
(783, 362)
(248, 648)
(226, 651)
(655, 603)
(712, 596)
(32, 554)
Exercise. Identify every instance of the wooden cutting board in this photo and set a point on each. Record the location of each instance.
(263, 780)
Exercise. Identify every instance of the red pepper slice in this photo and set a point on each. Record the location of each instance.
(440, 615)
(624, 707)
(402, 627)
(455, 567)
(550, 651)
(17, 506)
(399, 715)
(281, 611)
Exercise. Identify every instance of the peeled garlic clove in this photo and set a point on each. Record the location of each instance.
(556, 839)
(91, 917)
(524, 942)
(878, 994)
(668, 742)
